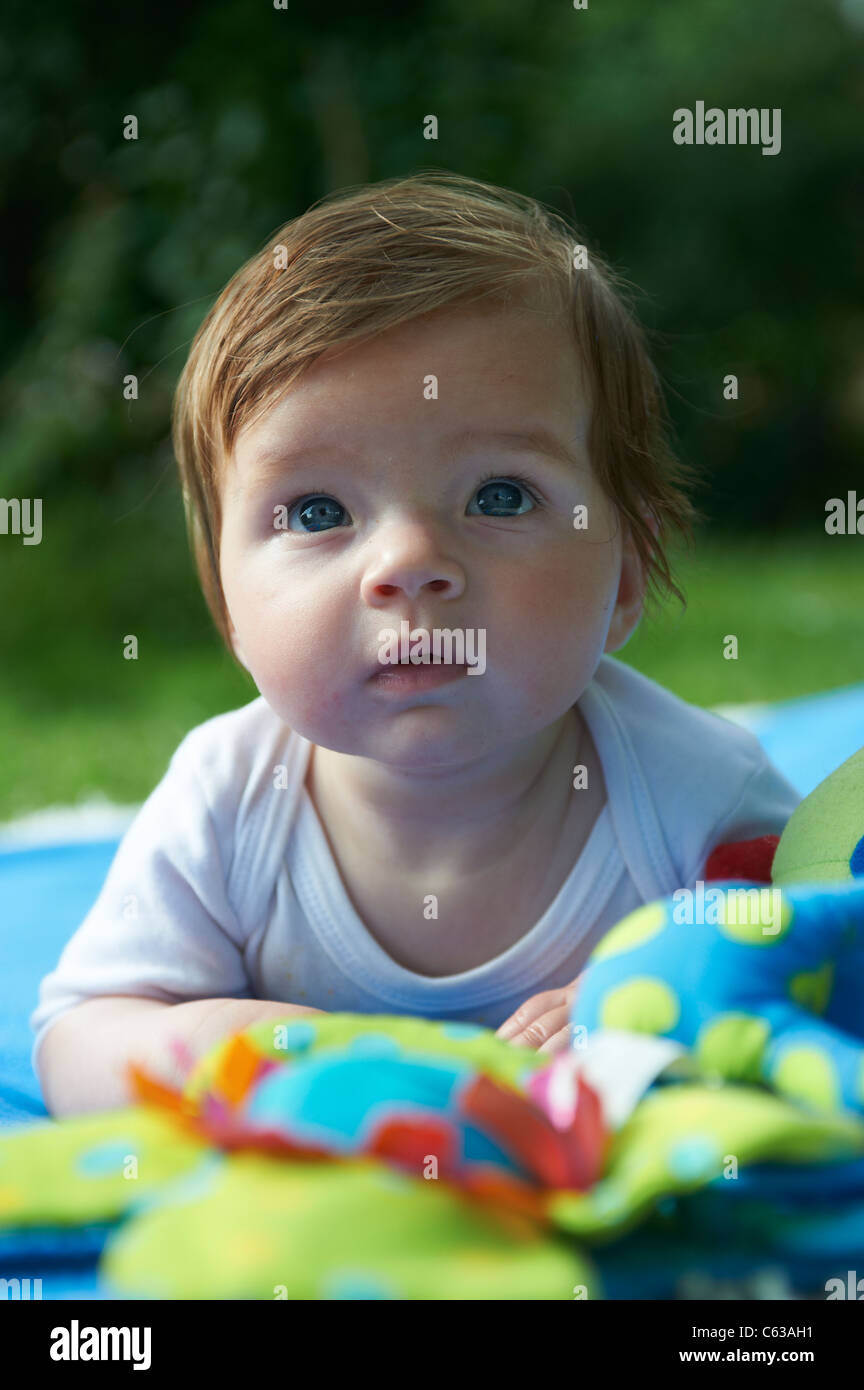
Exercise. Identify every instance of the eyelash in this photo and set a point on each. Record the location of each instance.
(490, 478)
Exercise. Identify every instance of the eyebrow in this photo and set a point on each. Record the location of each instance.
(273, 464)
(539, 441)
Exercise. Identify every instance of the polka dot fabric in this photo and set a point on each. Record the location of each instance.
(763, 985)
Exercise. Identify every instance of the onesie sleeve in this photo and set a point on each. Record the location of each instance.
(762, 806)
(162, 926)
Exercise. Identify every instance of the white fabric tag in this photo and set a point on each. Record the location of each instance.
(620, 1066)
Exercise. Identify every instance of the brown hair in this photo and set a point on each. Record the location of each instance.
(361, 261)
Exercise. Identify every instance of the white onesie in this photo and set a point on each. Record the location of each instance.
(224, 885)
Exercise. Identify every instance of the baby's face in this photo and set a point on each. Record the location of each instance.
(357, 503)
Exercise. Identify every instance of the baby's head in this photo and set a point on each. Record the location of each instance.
(422, 402)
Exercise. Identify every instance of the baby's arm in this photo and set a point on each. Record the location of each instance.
(83, 1056)
(161, 953)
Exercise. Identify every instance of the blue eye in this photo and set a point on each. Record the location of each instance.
(503, 497)
(316, 514)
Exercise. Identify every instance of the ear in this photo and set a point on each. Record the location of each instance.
(630, 598)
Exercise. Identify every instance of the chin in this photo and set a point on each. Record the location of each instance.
(417, 739)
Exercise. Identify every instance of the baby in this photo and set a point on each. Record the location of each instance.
(419, 428)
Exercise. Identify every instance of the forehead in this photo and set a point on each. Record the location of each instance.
(459, 378)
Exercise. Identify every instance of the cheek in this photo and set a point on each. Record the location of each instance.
(546, 630)
(569, 589)
(292, 637)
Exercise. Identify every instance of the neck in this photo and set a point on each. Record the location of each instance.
(463, 817)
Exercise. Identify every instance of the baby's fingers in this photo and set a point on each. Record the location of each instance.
(541, 1031)
(531, 1010)
(559, 1042)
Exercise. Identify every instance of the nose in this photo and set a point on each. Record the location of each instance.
(411, 561)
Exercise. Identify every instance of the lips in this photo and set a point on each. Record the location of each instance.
(405, 668)
(381, 667)
(411, 677)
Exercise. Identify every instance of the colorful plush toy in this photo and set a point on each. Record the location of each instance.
(274, 1178)
(765, 984)
(363, 1157)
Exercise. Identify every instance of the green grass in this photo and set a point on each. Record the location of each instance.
(77, 719)
(794, 603)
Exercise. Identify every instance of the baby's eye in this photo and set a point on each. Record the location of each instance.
(316, 514)
(502, 497)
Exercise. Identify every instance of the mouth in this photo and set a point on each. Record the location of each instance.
(405, 677)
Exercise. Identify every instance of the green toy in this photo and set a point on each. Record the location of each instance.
(824, 839)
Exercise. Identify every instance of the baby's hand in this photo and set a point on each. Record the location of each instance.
(543, 1021)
